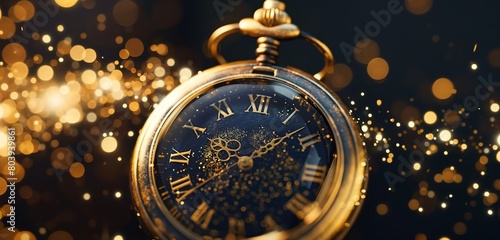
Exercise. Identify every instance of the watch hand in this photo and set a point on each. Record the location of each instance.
(185, 194)
(225, 149)
(272, 144)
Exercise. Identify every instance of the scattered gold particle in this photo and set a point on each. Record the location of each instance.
(86, 196)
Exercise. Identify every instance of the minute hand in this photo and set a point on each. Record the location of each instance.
(272, 144)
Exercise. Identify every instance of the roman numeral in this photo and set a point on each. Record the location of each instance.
(303, 102)
(290, 116)
(224, 113)
(178, 184)
(313, 173)
(236, 228)
(263, 106)
(196, 129)
(269, 223)
(180, 157)
(163, 193)
(203, 215)
(299, 205)
(175, 212)
(310, 140)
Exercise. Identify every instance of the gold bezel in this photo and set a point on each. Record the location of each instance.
(340, 196)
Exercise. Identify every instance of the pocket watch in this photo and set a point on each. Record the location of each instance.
(249, 149)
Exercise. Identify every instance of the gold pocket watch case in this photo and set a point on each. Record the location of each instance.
(251, 149)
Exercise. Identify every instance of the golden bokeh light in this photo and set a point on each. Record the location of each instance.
(382, 209)
(77, 53)
(109, 144)
(19, 70)
(124, 54)
(77, 170)
(3, 186)
(185, 74)
(125, 13)
(418, 7)
(86, 196)
(62, 158)
(378, 69)
(46, 38)
(66, 3)
(90, 55)
(59, 235)
(135, 47)
(420, 236)
(64, 47)
(7, 28)
(430, 117)
(413, 204)
(445, 135)
(22, 11)
(45, 73)
(13, 52)
(72, 116)
(494, 57)
(443, 88)
(118, 237)
(460, 228)
(162, 49)
(101, 18)
(24, 235)
(19, 171)
(494, 107)
(341, 77)
(89, 77)
(366, 50)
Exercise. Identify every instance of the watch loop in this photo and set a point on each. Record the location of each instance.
(270, 25)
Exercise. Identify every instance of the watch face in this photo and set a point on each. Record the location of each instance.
(245, 158)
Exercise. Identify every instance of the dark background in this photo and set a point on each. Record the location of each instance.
(418, 49)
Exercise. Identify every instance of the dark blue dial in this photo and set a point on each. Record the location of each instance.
(245, 158)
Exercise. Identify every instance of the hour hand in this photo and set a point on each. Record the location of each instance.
(272, 144)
